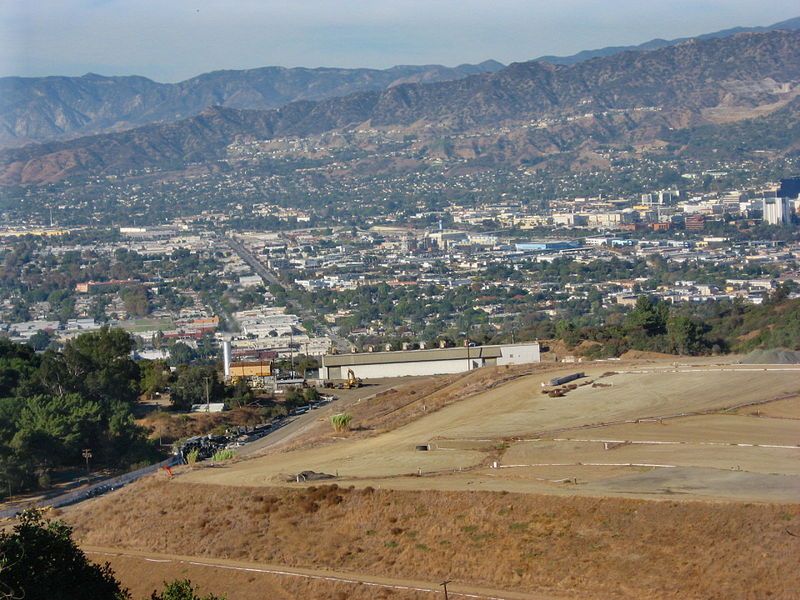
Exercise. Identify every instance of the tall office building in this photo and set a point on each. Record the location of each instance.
(777, 211)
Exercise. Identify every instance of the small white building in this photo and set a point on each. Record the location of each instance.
(438, 361)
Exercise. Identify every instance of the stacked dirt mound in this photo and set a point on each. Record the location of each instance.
(773, 356)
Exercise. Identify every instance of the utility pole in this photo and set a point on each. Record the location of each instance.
(87, 454)
(208, 398)
(444, 585)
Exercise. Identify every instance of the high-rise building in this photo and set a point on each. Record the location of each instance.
(790, 188)
(777, 211)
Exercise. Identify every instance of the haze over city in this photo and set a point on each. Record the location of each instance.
(171, 41)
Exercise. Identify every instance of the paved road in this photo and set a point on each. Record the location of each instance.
(301, 423)
(292, 427)
(268, 276)
(454, 589)
(252, 260)
(97, 488)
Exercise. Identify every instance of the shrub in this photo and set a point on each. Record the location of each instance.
(341, 421)
(192, 456)
(222, 455)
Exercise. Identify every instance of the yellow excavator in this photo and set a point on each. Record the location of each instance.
(352, 381)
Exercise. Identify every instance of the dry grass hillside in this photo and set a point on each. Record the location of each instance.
(170, 426)
(568, 546)
(142, 577)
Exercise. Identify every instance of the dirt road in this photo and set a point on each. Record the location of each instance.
(188, 563)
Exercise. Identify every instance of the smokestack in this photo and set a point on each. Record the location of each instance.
(226, 359)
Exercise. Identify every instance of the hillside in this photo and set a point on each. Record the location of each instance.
(36, 109)
(549, 547)
(789, 24)
(522, 111)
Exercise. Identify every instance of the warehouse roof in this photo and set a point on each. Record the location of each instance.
(405, 356)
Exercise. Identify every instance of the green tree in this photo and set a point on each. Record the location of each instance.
(685, 335)
(98, 365)
(40, 340)
(182, 589)
(240, 394)
(18, 366)
(155, 377)
(190, 387)
(310, 395)
(648, 317)
(53, 429)
(181, 354)
(40, 561)
(135, 300)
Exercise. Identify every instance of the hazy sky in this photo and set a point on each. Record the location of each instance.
(170, 40)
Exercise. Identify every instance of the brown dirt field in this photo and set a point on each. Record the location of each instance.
(473, 428)
(569, 546)
(727, 428)
(788, 408)
(409, 400)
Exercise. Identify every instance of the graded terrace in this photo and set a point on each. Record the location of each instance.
(635, 479)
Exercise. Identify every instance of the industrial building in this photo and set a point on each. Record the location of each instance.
(547, 245)
(438, 361)
(254, 368)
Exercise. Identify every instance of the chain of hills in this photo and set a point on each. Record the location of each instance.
(691, 94)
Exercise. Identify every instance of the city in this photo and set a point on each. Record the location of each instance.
(356, 300)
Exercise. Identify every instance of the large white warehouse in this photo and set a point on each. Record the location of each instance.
(439, 361)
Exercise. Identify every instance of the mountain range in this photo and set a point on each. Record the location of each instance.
(789, 24)
(39, 109)
(512, 115)
(35, 109)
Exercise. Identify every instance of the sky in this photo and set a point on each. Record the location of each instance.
(172, 40)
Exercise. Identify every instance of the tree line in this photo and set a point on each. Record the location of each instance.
(56, 404)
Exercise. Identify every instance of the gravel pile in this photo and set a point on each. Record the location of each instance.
(774, 356)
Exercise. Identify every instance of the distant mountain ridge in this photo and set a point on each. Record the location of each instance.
(521, 112)
(46, 108)
(789, 25)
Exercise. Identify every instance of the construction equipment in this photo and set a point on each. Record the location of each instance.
(352, 381)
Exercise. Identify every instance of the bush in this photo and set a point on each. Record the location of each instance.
(341, 421)
(192, 456)
(182, 589)
(222, 455)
